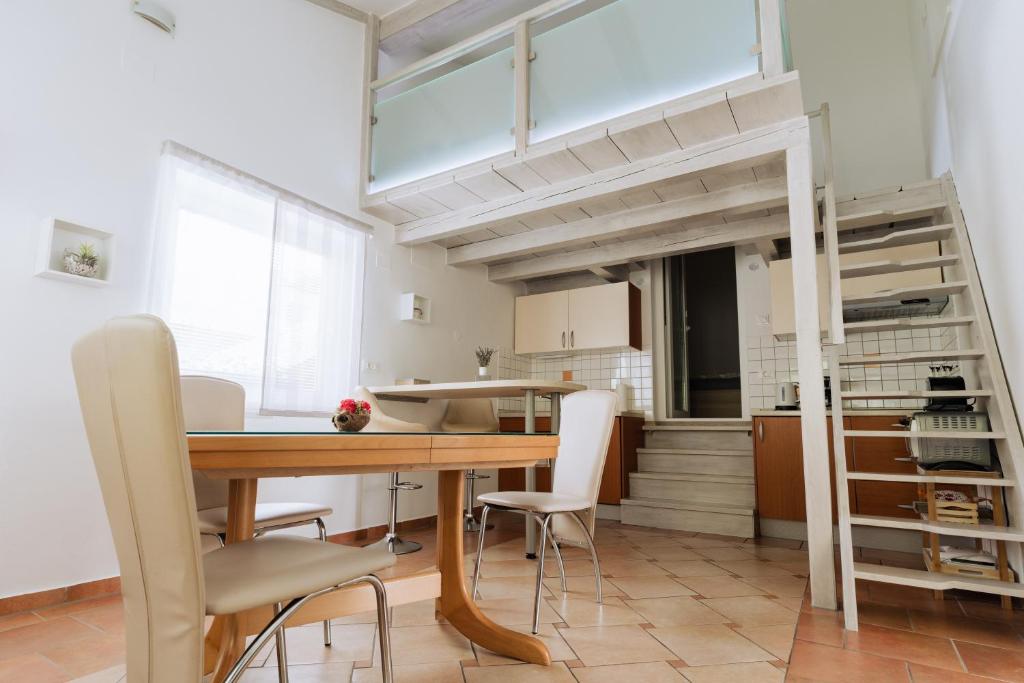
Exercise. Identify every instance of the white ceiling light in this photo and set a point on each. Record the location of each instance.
(155, 13)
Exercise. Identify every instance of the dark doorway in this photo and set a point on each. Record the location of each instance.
(703, 334)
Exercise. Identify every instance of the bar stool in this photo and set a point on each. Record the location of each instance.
(379, 422)
(471, 415)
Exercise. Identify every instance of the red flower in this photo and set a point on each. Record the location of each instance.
(347, 406)
(365, 406)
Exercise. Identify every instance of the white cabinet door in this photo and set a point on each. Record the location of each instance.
(599, 316)
(542, 322)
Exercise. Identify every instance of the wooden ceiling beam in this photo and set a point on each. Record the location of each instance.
(342, 8)
(680, 242)
(752, 196)
(412, 13)
(611, 273)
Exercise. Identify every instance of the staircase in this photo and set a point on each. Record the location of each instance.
(694, 475)
(978, 357)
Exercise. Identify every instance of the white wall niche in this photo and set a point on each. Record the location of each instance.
(59, 235)
(414, 308)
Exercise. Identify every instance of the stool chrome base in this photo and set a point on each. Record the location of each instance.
(470, 523)
(391, 541)
(396, 545)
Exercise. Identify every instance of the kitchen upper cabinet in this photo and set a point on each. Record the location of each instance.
(601, 317)
(781, 274)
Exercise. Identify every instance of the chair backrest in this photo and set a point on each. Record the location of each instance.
(584, 431)
(126, 373)
(470, 415)
(381, 422)
(212, 404)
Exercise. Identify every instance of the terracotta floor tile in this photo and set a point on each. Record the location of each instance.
(88, 655)
(576, 568)
(600, 645)
(621, 552)
(746, 568)
(708, 542)
(513, 587)
(520, 673)
(792, 604)
(720, 586)
(34, 668)
(69, 608)
(782, 586)
(766, 542)
(587, 612)
(912, 647)
(688, 568)
(581, 587)
(673, 553)
(929, 674)
(777, 554)
(726, 553)
(422, 613)
(329, 672)
(710, 644)
(559, 649)
(107, 618)
(350, 643)
(681, 611)
(777, 639)
(993, 662)
(752, 672)
(18, 620)
(966, 629)
(508, 611)
(834, 665)
(889, 616)
(35, 637)
(824, 629)
(615, 568)
(501, 568)
(752, 611)
(427, 645)
(650, 672)
(439, 672)
(115, 674)
(651, 587)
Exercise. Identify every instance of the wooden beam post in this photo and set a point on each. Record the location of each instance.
(522, 86)
(770, 28)
(371, 43)
(812, 384)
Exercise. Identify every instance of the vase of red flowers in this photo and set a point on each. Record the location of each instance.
(351, 415)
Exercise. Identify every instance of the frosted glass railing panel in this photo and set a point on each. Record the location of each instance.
(458, 118)
(633, 54)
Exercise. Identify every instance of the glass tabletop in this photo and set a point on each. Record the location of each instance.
(306, 432)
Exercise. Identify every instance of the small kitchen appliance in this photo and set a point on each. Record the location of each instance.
(945, 378)
(953, 453)
(787, 396)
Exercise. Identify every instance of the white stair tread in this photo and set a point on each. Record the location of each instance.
(913, 357)
(906, 324)
(990, 531)
(738, 425)
(934, 580)
(700, 478)
(723, 508)
(944, 434)
(970, 393)
(697, 451)
(863, 219)
(884, 267)
(926, 478)
(900, 238)
(905, 293)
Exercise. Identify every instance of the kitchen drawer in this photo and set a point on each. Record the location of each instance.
(882, 455)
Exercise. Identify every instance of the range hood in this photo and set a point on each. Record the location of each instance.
(894, 308)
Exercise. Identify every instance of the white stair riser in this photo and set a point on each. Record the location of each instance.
(689, 520)
(737, 465)
(699, 440)
(703, 492)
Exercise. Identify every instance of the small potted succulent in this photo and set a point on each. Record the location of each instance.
(483, 359)
(351, 415)
(82, 261)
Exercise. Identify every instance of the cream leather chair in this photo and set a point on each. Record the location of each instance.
(214, 404)
(471, 415)
(130, 395)
(585, 430)
(381, 422)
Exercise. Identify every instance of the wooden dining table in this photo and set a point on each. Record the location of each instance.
(244, 458)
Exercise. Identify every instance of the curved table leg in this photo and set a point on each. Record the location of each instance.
(226, 638)
(455, 603)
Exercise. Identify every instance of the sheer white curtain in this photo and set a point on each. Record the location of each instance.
(258, 285)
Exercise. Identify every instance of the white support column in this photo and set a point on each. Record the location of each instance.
(522, 86)
(809, 359)
(371, 50)
(771, 38)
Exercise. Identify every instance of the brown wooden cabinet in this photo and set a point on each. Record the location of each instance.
(627, 437)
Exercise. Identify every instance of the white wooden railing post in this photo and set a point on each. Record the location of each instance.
(802, 221)
(522, 86)
(770, 19)
(371, 50)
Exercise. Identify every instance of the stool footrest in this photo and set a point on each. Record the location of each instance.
(408, 486)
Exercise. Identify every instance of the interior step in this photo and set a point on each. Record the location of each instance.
(926, 478)
(699, 451)
(932, 233)
(988, 531)
(949, 434)
(731, 438)
(699, 425)
(866, 219)
(860, 395)
(706, 489)
(906, 324)
(934, 580)
(730, 463)
(721, 518)
(907, 293)
(893, 266)
(913, 357)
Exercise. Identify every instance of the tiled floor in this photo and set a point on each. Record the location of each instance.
(678, 607)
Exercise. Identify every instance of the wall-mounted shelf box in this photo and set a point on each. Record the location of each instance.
(414, 308)
(58, 235)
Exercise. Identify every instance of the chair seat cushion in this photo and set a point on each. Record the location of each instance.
(279, 568)
(535, 501)
(215, 520)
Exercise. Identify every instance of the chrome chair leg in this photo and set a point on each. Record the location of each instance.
(383, 627)
(558, 556)
(593, 553)
(282, 649)
(480, 549)
(322, 530)
(544, 531)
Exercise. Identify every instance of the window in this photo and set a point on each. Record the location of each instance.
(258, 285)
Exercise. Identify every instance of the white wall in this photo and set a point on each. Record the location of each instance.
(855, 55)
(972, 114)
(90, 92)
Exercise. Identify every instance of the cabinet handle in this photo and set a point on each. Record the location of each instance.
(563, 339)
(760, 431)
(572, 339)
